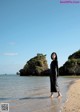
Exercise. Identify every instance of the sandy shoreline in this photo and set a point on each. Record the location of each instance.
(36, 98)
(73, 100)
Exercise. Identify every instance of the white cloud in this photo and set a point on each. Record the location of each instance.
(10, 54)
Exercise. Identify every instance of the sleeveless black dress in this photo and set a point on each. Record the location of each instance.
(53, 76)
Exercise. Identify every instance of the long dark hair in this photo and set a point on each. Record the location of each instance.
(56, 59)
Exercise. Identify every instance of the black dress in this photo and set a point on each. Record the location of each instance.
(53, 76)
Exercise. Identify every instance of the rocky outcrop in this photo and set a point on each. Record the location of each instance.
(36, 66)
(72, 65)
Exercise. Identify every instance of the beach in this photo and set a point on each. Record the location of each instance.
(32, 94)
(72, 103)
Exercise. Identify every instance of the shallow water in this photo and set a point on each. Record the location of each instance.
(31, 94)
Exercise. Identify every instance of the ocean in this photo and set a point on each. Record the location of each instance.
(16, 89)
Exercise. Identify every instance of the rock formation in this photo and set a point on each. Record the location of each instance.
(36, 66)
(72, 65)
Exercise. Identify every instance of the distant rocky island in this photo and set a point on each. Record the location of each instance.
(37, 66)
(72, 65)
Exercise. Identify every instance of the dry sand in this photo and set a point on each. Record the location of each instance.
(73, 100)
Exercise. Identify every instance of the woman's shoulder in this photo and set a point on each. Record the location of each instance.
(52, 62)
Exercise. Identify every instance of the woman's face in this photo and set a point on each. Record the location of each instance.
(53, 56)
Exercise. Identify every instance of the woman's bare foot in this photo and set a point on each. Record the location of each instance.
(59, 95)
(51, 96)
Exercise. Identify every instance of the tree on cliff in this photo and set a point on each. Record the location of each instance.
(35, 66)
(72, 65)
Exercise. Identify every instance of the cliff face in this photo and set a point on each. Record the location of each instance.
(72, 65)
(35, 66)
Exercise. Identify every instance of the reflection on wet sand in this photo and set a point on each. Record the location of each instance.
(37, 104)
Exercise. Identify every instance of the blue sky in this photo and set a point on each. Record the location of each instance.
(28, 27)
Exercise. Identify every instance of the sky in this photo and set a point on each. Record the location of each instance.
(28, 27)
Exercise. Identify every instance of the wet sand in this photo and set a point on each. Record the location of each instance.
(73, 98)
(38, 103)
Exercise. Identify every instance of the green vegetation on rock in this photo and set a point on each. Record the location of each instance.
(72, 66)
(35, 66)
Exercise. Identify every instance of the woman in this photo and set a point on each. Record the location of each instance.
(54, 74)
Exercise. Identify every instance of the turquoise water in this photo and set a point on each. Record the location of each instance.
(24, 93)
